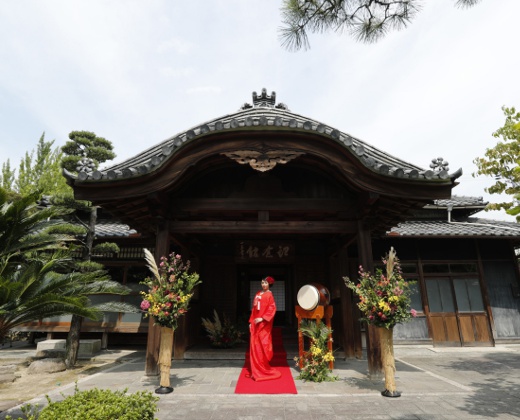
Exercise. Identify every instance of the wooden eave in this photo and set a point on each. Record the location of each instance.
(320, 151)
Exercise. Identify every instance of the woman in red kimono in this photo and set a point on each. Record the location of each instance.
(260, 326)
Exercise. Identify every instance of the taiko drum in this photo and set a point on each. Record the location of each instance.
(312, 295)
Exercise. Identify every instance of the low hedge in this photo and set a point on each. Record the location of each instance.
(96, 404)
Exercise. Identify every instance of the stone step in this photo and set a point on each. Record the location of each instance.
(86, 347)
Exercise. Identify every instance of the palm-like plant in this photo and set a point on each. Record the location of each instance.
(36, 279)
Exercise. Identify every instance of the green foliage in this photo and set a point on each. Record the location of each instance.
(170, 289)
(36, 268)
(314, 364)
(7, 176)
(89, 266)
(222, 334)
(503, 163)
(85, 144)
(365, 20)
(40, 170)
(31, 412)
(67, 200)
(68, 229)
(106, 248)
(97, 404)
(384, 298)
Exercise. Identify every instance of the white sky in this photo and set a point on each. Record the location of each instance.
(138, 72)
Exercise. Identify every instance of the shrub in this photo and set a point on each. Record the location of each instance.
(97, 404)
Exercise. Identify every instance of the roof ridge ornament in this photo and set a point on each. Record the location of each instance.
(264, 101)
(439, 164)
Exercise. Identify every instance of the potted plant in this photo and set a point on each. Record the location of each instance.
(222, 334)
(314, 363)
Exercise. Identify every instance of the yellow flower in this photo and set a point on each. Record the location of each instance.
(316, 351)
(393, 299)
(328, 357)
(383, 305)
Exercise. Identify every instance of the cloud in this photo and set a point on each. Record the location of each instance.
(177, 45)
(203, 89)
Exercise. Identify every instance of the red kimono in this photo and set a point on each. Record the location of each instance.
(261, 344)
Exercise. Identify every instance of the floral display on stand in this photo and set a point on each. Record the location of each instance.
(384, 297)
(384, 301)
(314, 363)
(170, 289)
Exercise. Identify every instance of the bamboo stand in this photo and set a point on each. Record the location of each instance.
(386, 336)
(318, 314)
(165, 360)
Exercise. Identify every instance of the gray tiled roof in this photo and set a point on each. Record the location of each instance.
(459, 201)
(472, 227)
(263, 114)
(112, 228)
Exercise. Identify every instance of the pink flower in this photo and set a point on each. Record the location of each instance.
(145, 305)
(413, 312)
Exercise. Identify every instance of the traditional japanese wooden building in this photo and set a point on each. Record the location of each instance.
(265, 191)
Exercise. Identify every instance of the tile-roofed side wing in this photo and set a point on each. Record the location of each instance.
(113, 228)
(460, 201)
(442, 228)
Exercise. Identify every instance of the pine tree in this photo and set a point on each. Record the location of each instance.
(83, 150)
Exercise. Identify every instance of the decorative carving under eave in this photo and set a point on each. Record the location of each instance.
(262, 161)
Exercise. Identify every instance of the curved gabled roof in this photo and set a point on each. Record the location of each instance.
(264, 115)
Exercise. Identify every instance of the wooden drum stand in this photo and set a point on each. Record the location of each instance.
(318, 314)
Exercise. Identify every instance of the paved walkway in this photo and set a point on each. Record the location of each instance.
(455, 383)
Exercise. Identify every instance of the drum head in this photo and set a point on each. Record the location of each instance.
(308, 297)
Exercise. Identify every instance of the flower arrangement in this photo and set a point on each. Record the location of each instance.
(314, 363)
(170, 289)
(384, 298)
(222, 334)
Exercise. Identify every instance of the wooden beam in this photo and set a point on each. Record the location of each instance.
(254, 204)
(273, 227)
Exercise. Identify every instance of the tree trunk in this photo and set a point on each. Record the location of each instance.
(387, 355)
(165, 360)
(72, 347)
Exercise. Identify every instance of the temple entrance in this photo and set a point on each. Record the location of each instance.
(249, 277)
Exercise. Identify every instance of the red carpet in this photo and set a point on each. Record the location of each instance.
(283, 385)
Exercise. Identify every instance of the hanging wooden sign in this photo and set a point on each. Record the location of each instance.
(265, 251)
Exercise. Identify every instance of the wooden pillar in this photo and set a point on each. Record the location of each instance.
(162, 247)
(179, 341)
(375, 363)
(351, 328)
